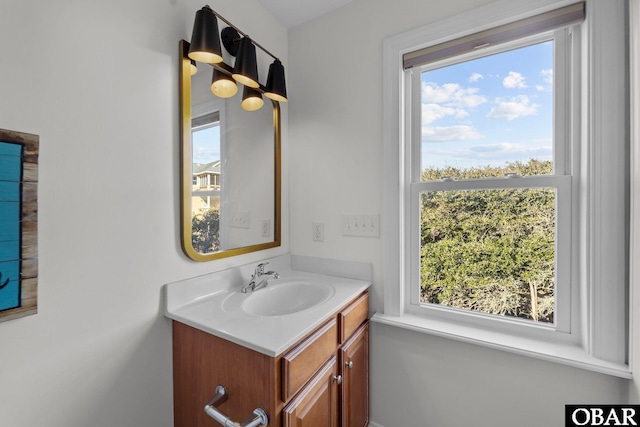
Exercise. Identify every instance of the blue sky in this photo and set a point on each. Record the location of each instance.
(490, 110)
(206, 144)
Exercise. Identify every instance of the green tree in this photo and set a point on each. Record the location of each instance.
(205, 231)
(490, 250)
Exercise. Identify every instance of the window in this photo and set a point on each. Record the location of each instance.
(206, 170)
(501, 231)
(491, 190)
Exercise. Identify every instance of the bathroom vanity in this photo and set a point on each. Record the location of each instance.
(307, 367)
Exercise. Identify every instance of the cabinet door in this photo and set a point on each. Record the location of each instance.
(317, 403)
(354, 356)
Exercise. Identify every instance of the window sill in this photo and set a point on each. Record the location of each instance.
(569, 355)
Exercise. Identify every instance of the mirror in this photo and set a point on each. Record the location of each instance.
(230, 169)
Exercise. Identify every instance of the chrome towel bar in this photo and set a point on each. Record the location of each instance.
(258, 418)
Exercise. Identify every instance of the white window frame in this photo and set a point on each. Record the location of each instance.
(595, 335)
(562, 181)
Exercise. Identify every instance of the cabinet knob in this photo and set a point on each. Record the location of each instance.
(338, 379)
(349, 364)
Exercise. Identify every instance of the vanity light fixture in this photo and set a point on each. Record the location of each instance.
(251, 99)
(205, 47)
(222, 85)
(194, 67)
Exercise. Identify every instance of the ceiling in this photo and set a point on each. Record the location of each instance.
(291, 13)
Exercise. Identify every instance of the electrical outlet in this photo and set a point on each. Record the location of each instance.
(240, 220)
(317, 230)
(266, 228)
(361, 225)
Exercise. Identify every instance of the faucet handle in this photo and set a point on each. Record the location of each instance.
(260, 269)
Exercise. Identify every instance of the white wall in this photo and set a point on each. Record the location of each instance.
(98, 81)
(336, 133)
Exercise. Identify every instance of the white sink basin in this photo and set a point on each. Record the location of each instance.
(269, 320)
(280, 298)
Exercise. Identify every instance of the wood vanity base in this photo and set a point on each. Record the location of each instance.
(323, 380)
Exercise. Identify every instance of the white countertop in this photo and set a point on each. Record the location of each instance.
(270, 335)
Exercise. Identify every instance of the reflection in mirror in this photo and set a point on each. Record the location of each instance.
(205, 200)
(230, 170)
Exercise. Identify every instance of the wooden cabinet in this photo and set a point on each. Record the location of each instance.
(323, 380)
(354, 361)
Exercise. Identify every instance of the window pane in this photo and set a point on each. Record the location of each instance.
(206, 169)
(494, 111)
(491, 251)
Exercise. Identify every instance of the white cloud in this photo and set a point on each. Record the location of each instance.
(471, 99)
(461, 113)
(449, 133)
(547, 79)
(433, 112)
(432, 92)
(514, 81)
(451, 95)
(511, 150)
(450, 99)
(473, 154)
(475, 77)
(205, 154)
(514, 108)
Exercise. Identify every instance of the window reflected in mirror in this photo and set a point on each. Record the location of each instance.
(205, 203)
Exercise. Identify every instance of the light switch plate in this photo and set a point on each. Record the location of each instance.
(240, 220)
(361, 225)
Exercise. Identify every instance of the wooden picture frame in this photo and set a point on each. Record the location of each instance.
(18, 224)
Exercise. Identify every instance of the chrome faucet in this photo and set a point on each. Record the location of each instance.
(255, 282)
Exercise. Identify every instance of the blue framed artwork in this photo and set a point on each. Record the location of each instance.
(18, 224)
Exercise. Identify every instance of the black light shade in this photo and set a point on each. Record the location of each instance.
(276, 86)
(193, 68)
(205, 41)
(251, 99)
(223, 85)
(246, 67)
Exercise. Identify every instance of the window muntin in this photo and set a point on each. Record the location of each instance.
(459, 124)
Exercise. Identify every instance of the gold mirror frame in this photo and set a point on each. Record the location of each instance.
(186, 165)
